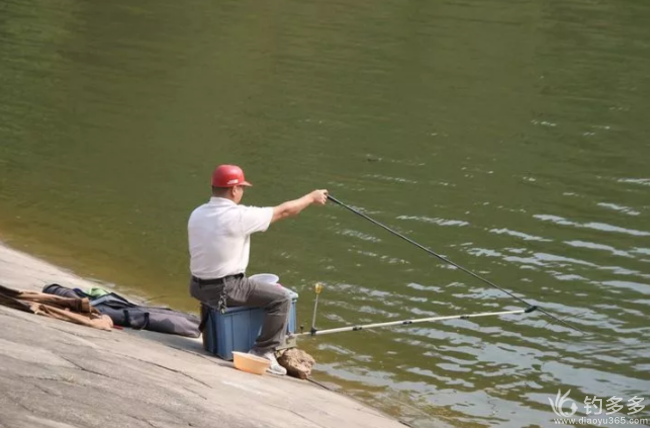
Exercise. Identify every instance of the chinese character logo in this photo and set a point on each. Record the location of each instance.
(559, 402)
(634, 405)
(594, 403)
(613, 405)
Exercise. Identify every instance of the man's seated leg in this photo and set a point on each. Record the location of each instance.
(208, 294)
(276, 303)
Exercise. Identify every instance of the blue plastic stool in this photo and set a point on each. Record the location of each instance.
(237, 328)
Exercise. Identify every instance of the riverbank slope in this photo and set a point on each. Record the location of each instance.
(57, 374)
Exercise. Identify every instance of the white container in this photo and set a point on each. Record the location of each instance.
(267, 278)
(250, 363)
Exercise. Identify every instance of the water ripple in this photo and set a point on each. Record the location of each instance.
(592, 246)
(524, 236)
(603, 227)
(434, 220)
(619, 208)
(641, 181)
(359, 235)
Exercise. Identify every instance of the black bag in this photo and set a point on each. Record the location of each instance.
(127, 314)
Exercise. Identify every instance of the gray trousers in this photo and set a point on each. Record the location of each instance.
(242, 292)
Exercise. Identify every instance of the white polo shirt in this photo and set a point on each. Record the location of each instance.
(219, 237)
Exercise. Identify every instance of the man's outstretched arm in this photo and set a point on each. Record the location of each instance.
(293, 208)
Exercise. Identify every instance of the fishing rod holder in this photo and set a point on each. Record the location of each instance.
(312, 331)
(318, 288)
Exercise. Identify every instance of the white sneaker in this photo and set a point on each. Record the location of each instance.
(275, 367)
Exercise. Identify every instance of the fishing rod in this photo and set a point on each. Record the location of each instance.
(315, 332)
(446, 260)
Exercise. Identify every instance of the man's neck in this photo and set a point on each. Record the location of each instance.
(225, 197)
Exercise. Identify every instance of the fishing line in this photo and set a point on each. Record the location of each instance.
(446, 260)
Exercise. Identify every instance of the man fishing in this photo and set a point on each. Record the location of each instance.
(219, 243)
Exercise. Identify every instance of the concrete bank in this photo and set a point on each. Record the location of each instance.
(60, 375)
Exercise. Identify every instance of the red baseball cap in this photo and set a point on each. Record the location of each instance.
(229, 176)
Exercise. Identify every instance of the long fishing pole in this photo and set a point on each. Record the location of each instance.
(315, 332)
(446, 260)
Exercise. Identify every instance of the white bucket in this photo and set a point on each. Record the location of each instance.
(267, 278)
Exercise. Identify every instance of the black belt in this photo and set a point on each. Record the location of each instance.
(216, 281)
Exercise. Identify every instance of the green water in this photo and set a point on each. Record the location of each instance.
(512, 137)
